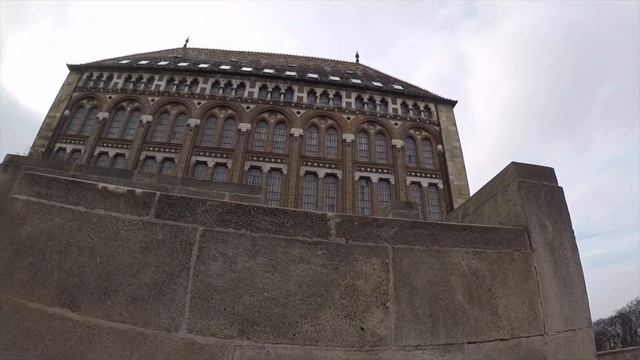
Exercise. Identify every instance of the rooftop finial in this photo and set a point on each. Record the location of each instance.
(185, 43)
(357, 57)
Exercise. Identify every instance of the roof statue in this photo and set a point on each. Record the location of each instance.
(357, 57)
(185, 43)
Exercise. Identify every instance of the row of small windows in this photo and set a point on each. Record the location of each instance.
(310, 192)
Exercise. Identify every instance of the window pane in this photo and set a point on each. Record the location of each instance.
(311, 97)
(337, 100)
(240, 90)
(228, 89)
(260, 136)
(324, 98)
(279, 138)
(254, 177)
(119, 162)
(364, 197)
(228, 133)
(167, 167)
(363, 146)
(331, 145)
(76, 120)
(312, 141)
(381, 148)
(273, 188)
(275, 93)
(262, 92)
(178, 129)
(359, 102)
(309, 190)
(220, 173)
(385, 193)
(132, 125)
(331, 193)
(412, 155)
(415, 196)
(149, 165)
(208, 131)
(427, 154)
(288, 94)
(435, 209)
(160, 130)
(116, 124)
(103, 160)
(90, 122)
(200, 170)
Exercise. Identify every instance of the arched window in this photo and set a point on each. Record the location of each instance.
(149, 82)
(312, 97)
(76, 120)
(167, 166)
(88, 80)
(90, 123)
(75, 157)
(254, 177)
(228, 89)
(415, 110)
(116, 124)
(410, 149)
(138, 82)
(60, 154)
(160, 130)
(208, 131)
(99, 80)
(428, 113)
(168, 86)
(381, 148)
(200, 170)
(149, 165)
(132, 125)
(240, 90)
(337, 100)
(324, 98)
(274, 185)
(331, 143)
(362, 140)
(193, 85)
(383, 106)
(309, 191)
(288, 94)
(311, 148)
(404, 108)
(427, 153)
(260, 136)
(331, 193)
(177, 132)
(435, 209)
(108, 81)
(103, 160)
(182, 85)
(215, 88)
(263, 92)
(359, 102)
(415, 197)
(371, 104)
(128, 82)
(228, 133)
(220, 173)
(279, 138)
(384, 193)
(275, 93)
(364, 197)
(119, 161)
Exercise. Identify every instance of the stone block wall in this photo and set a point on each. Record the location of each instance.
(131, 270)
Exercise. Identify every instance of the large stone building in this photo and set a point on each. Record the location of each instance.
(315, 134)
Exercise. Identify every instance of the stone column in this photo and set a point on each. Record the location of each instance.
(92, 141)
(320, 192)
(184, 158)
(238, 155)
(398, 168)
(375, 196)
(294, 159)
(348, 172)
(138, 139)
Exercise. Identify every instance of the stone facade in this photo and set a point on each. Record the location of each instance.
(313, 134)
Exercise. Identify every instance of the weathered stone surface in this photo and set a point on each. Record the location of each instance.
(86, 194)
(453, 352)
(29, 333)
(429, 234)
(103, 171)
(454, 296)
(254, 218)
(290, 291)
(620, 354)
(107, 267)
(220, 186)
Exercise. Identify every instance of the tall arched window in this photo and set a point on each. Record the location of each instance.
(384, 193)
(260, 136)
(132, 125)
(309, 192)
(119, 161)
(240, 90)
(103, 160)
(427, 153)
(312, 97)
(383, 106)
(331, 143)
(364, 197)
(331, 193)
(228, 89)
(275, 93)
(149, 165)
(381, 148)
(362, 140)
(116, 124)
(359, 102)
(254, 177)
(435, 209)
(149, 82)
(215, 88)
(415, 196)
(182, 85)
(288, 94)
(200, 170)
(177, 132)
(108, 81)
(75, 157)
(138, 82)
(90, 123)
(371, 104)
(427, 111)
(313, 140)
(76, 121)
(324, 98)
(410, 149)
(274, 184)
(208, 131)
(167, 166)
(404, 108)
(415, 110)
(60, 154)
(160, 130)
(263, 92)
(193, 85)
(337, 100)
(168, 86)
(220, 173)
(228, 133)
(279, 138)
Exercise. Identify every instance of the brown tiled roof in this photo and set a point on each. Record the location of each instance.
(280, 63)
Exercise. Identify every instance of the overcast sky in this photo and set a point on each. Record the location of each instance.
(550, 83)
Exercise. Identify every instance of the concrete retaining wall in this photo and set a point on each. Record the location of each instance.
(620, 354)
(96, 271)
